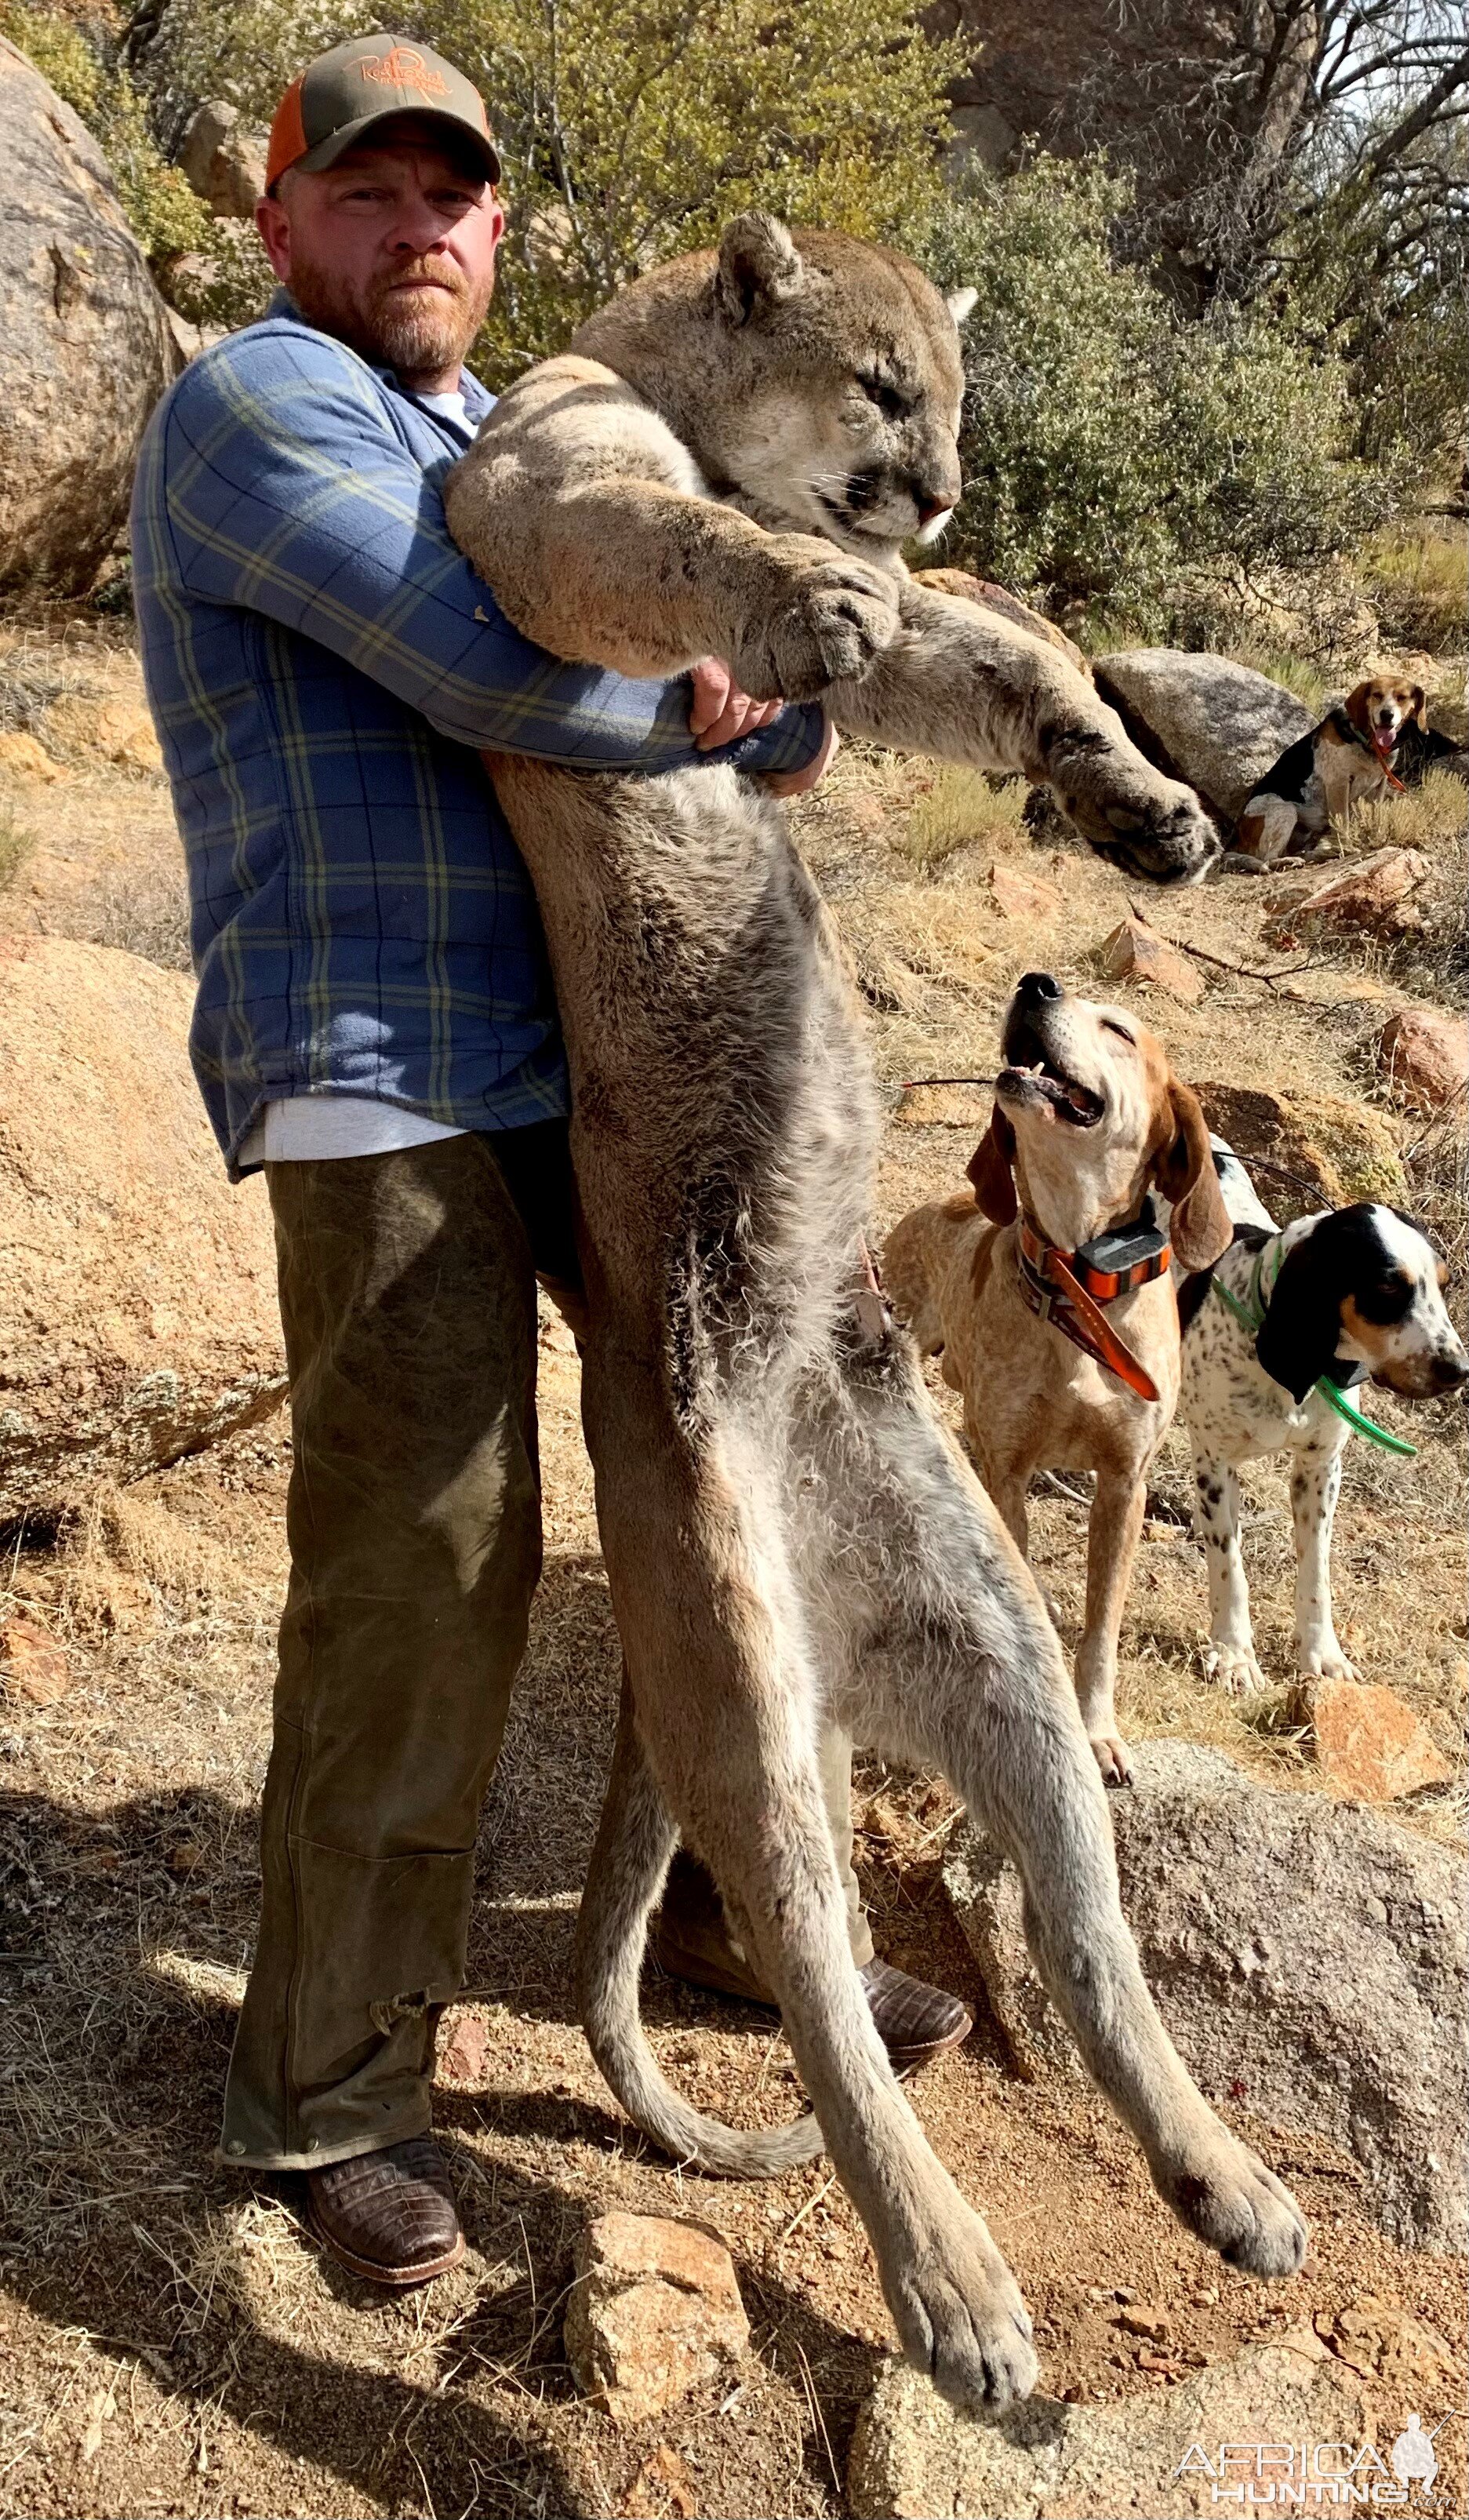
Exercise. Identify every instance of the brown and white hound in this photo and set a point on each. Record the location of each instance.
(1350, 760)
(1047, 1286)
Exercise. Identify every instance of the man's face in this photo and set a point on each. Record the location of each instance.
(392, 250)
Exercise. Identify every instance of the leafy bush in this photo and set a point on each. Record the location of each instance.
(1111, 449)
(160, 208)
(630, 130)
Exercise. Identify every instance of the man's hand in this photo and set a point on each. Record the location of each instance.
(799, 783)
(722, 712)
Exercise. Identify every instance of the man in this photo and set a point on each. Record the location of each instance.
(375, 1026)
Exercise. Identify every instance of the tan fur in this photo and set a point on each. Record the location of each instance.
(713, 467)
(1032, 1400)
(789, 1535)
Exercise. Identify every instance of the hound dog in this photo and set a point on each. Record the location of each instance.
(1279, 1324)
(1046, 1286)
(1350, 758)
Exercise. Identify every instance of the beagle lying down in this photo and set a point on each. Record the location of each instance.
(1347, 1294)
(1046, 1286)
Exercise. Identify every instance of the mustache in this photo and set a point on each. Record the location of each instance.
(444, 273)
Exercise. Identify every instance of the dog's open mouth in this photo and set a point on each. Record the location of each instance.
(1384, 741)
(1042, 1079)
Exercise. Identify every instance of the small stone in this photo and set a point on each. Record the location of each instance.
(1384, 2342)
(654, 2312)
(32, 1664)
(1021, 896)
(1142, 2322)
(464, 2055)
(1425, 1057)
(185, 1858)
(1135, 952)
(1368, 1743)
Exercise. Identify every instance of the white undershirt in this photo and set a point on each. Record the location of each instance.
(316, 1128)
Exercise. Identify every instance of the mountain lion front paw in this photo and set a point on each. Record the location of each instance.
(817, 619)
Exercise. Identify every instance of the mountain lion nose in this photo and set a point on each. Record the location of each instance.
(930, 505)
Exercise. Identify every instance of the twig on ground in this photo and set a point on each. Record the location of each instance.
(1221, 963)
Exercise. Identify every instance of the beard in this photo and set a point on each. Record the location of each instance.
(420, 333)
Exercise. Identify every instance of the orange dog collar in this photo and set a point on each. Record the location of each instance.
(1068, 1289)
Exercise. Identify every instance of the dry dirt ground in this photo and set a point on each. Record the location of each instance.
(169, 2343)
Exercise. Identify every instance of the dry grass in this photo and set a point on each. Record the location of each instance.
(1296, 673)
(1420, 584)
(958, 808)
(17, 843)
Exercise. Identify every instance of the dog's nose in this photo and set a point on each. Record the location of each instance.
(1450, 1372)
(1034, 987)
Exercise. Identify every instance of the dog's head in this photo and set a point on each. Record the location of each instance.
(1087, 1114)
(1362, 1285)
(1382, 706)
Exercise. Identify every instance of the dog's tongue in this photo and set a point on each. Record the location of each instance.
(1382, 741)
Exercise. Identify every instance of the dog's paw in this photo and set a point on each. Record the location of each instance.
(1111, 1756)
(1235, 1667)
(1224, 2193)
(1322, 1658)
(960, 2318)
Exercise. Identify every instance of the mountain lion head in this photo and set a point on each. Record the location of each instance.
(815, 377)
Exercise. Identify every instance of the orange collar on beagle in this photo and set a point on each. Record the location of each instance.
(1068, 1289)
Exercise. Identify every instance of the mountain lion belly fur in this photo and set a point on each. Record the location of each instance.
(726, 463)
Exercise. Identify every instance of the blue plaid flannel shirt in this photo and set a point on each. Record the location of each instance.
(322, 665)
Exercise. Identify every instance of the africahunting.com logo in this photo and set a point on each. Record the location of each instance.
(1319, 2476)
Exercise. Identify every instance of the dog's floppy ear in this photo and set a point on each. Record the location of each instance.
(1298, 1338)
(1420, 707)
(1354, 706)
(1184, 1170)
(989, 1169)
(759, 267)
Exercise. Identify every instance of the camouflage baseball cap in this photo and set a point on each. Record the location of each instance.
(342, 94)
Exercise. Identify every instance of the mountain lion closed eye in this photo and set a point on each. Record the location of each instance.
(727, 462)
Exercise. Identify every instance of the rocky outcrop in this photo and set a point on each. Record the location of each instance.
(1307, 1957)
(1313, 1149)
(223, 159)
(138, 1319)
(1202, 718)
(913, 2455)
(654, 2311)
(85, 349)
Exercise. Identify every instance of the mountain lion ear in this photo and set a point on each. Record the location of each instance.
(759, 267)
(989, 1169)
(961, 304)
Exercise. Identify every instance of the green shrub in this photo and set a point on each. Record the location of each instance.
(1112, 450)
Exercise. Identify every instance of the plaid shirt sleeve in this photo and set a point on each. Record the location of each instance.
(288, 494)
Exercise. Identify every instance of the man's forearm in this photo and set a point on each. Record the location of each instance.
(328, 531)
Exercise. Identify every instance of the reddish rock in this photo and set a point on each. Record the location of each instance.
(1372, 894)
(463, 2054)
(32, 1664)
(1384, 2342)
(1368, 1742)
(1021, 896)
(654, 2311)
(1425, 1055)
(1137, 952)
(21, 757)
